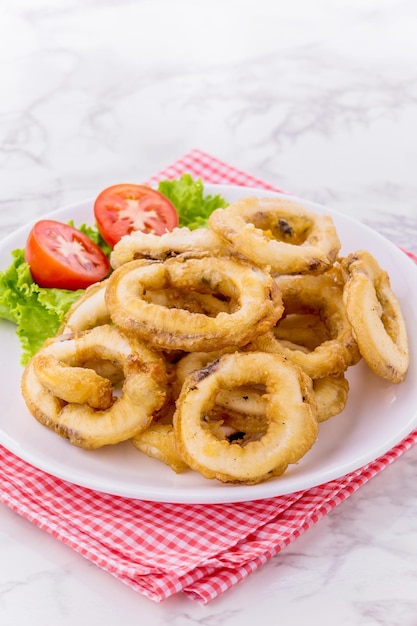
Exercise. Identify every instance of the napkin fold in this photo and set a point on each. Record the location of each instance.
(160, 549)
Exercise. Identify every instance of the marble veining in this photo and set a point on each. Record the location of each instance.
(318, 98)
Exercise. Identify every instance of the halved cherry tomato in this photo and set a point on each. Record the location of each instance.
(63, 257)
(120, 209)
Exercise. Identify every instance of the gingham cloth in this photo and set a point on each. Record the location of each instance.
(160, 549)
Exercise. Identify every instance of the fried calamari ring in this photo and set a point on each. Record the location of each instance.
(88, 311)
(278, 233)
(158, 442)
(258, 302)
(245, 399)
(376, 316)
(57, 405)
(249, 401)
(291, 418)
(140, 245)
(331, 395)
(318, 295)
(71, 384)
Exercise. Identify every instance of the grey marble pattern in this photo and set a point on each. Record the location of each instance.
(318, 98)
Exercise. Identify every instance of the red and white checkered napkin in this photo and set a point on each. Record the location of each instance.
(160, 549)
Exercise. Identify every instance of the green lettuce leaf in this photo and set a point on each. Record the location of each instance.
(187, 195)
(37, 311)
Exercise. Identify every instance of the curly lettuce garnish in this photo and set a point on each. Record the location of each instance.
(194, 207)
(36, 311)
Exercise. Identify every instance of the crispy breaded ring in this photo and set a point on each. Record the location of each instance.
(319, 295)
(331, 392)
(88, 311)
(331, 395)
(291, 417)
(258, 302)
(376, 316)
(278, 233)
(140, 245)
(158, 442)
(57, 405)
(245, 399)
(71, 383)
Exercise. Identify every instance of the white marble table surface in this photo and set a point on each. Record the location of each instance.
(319, 98)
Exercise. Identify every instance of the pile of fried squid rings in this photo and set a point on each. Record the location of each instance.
(220, 349)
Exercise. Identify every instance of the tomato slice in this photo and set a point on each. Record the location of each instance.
(63, 257)
(120, 209)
